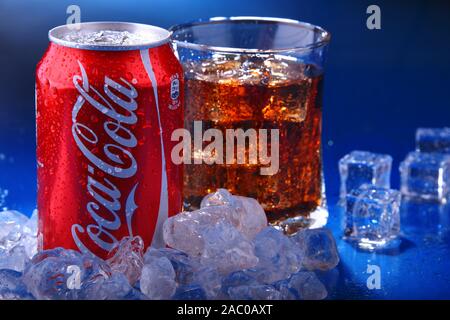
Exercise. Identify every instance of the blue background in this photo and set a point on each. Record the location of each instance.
(380, 85)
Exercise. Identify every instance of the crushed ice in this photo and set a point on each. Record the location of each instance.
(224, 250)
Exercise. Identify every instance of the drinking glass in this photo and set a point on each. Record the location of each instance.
(253, 109)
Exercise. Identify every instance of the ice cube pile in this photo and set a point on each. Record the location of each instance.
(372, 208)
(18, 242)
(224, 250)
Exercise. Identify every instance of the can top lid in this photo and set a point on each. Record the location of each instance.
(109, 36)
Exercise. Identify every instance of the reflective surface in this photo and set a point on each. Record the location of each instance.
(415, 267)
(375, 92)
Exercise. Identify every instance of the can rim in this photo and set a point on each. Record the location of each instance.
(159, 36)
(326, 36)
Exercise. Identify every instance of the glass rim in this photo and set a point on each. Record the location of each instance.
(326, 36)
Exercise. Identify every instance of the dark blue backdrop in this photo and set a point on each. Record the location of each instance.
(380, 85)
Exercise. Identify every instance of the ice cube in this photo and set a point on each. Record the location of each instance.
(30, 245)
(127, 257)
(253, 219)
(29, 237)
(17, 230)
(31, 226)
(374, 218)
(11, 224)
(424, 217)
(318, 249)
(279, 257)
(286, 292)
(10, 279)
(238, 278)
(115, 287)
(361, 167)
(254, 292)
(248, 215)
(426, 176)
(218, 198)
(135, 294)
(190, 292)
(329, 279)
(14, 259)
(184, 230)
(433, 140)
(158, 279)
(12, 217)
(209, 279)
(183, 265)
(60, 274)
(226, 249)
(12, 287)
(307, 286)
(214, 241)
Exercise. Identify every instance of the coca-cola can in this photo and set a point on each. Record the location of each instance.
(107, 100)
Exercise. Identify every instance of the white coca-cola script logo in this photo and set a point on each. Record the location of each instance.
(118, 161)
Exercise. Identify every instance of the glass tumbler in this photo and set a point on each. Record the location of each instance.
(253, 114)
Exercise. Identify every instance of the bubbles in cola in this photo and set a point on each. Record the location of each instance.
(266, 91)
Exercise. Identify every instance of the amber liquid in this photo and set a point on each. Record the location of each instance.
(269, 94)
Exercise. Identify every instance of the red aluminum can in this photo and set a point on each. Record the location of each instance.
(105, 114)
